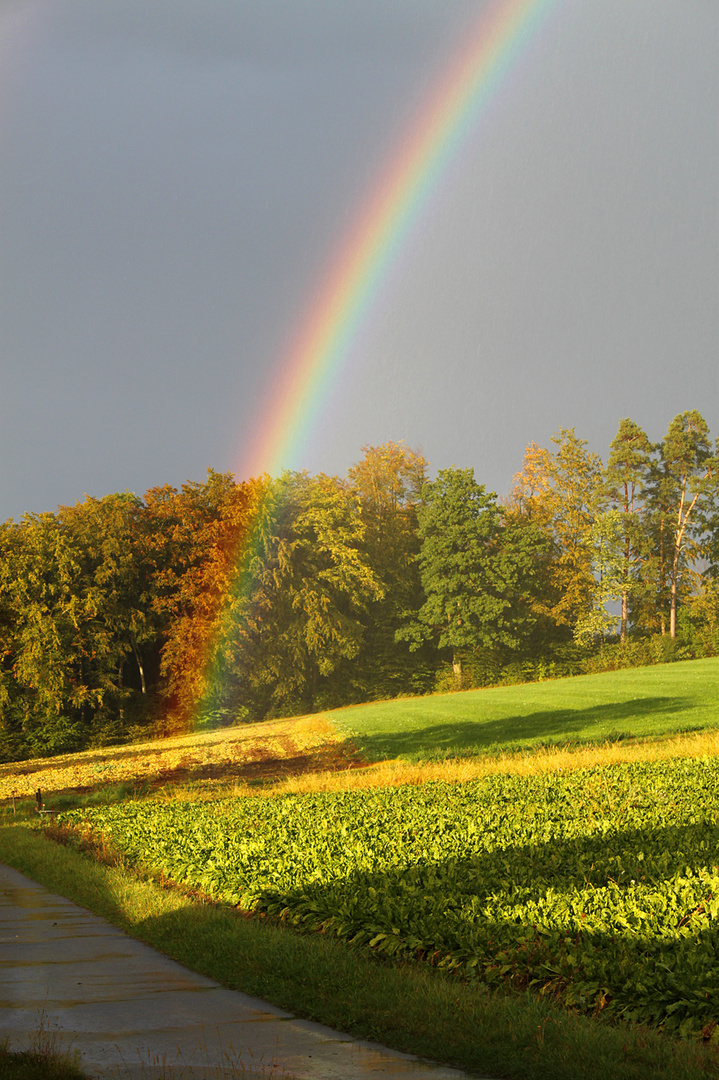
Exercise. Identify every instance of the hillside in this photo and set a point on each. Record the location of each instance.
(614, 716)
(632, 703)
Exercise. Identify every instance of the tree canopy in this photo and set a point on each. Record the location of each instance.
(225, 601)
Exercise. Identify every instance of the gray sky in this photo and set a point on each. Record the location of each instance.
(176, 176)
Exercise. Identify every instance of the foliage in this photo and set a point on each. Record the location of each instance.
(412, 1007)
(561, 492)
(607, 546)
(475, 570)
(310, 583)
(388, 482)
(225, 602)
(53, 632)
(691, 473)
(625, 479)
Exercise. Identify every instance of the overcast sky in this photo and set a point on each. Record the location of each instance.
(176, 177)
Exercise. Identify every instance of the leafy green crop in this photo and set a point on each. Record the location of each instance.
(601, 885)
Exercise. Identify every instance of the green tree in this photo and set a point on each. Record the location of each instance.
(690, 468)
(109, 533)
(475, 570)
(607, 544)
(56, 646)
(388, 482)
(310, 587)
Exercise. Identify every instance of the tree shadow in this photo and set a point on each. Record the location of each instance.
(546, 726)
(441, 911)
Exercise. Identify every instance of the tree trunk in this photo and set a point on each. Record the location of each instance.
(623, 629)
(673, 602)
(457, 666)
(139, 667)
(628, 507)
(119, 686)
(662, 615)
(682, 522)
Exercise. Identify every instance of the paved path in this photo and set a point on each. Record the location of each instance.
(133, 1013)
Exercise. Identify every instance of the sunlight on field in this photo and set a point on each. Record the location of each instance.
(650, 714)
(276, 745)
(527, 763)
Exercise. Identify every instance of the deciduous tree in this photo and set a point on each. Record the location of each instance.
(388, 482)
(625, 476)
(561, 492)
(311, 585)
(475, 569)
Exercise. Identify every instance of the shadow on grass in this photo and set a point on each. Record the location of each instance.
(264, 769)
(463, 737)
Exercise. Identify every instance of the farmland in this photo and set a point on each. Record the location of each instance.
(600, 885)
(559, 840)
(662, 711)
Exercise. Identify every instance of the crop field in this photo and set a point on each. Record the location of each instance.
(599, 886)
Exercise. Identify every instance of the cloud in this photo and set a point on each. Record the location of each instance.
(269, 31)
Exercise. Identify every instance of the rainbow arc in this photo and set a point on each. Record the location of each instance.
(323, 342)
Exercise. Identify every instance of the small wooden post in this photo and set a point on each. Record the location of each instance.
(38, 800)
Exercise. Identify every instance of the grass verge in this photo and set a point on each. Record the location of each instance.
(39, 1063)
(517, 1036)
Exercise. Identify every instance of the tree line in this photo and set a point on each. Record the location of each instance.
(228, 601)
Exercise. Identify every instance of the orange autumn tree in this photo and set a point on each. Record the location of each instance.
(196, 537)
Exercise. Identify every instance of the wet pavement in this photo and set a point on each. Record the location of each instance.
(133, 1013)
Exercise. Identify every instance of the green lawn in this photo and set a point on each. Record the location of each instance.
(637, 702)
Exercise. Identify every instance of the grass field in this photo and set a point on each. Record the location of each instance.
(633, 703)
(635, 714)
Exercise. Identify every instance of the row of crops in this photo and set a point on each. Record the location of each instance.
(600, 886)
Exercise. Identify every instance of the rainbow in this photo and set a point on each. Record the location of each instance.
(323, 342)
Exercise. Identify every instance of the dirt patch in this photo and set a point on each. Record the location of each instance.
(276, 749)
(266, 768)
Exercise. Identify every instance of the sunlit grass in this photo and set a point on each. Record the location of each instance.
(651, 714)
(196, 755)
(646, 714)
(642, 703)
(459, 770)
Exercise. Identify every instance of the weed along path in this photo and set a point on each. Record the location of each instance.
(133, 1013)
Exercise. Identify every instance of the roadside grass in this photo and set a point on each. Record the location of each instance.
(649, 702)
(42, 1061)
(412, 1008)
